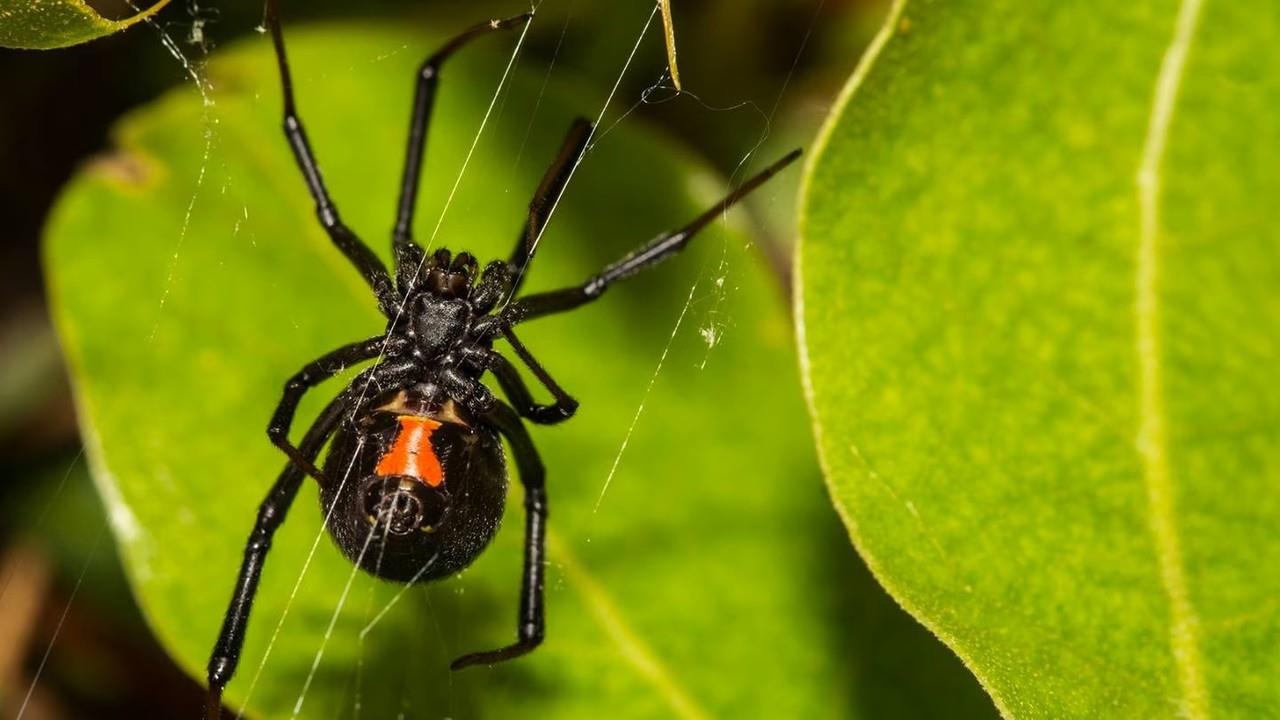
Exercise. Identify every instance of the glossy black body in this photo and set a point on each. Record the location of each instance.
(463, 513)
(443, 316)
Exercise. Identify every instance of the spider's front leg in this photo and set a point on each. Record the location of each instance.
(644, 257)
(407, 254)
(547, 196)
(359, 254)
(530, 624)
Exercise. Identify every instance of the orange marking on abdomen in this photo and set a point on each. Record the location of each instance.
(411, 453)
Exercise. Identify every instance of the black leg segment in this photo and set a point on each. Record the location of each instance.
(348, 404)
(368, 264)
(530, 625)
(314, 373)
(271, 513)
(547, 195)
(423, 102)
(518, 392)
(648, 255)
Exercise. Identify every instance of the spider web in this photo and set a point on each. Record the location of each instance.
(189, 44)
(191, 63)
(711, 331)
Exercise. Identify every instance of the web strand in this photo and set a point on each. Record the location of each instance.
(533, 249)
(293, 594)
(62, 619)
(333, 619)
(207, 121)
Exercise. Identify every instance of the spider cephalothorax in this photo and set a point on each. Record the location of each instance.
(442, 306)
(414, 483)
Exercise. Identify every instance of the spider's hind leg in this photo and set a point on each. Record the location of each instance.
(349, 403)
(530, 625)
(271, 513)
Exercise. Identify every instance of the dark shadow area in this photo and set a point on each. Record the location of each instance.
(899, 668)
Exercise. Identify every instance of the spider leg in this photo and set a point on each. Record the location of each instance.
(514, 386)
(312, 374)
(517, 391)
(368, 264)
(648, 255)
(530, 625)
(271, 513)
(547, 195)
(406, 251)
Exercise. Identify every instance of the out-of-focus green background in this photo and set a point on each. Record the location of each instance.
(72, 643)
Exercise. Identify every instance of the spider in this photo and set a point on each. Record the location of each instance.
(418, 432)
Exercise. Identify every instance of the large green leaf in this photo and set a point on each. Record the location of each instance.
(710, 579)
(1040, 289)
(46, 24)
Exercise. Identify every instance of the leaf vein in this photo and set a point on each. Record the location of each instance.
(633, 649)
(1152, 436)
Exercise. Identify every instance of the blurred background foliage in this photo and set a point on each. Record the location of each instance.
(756, 72)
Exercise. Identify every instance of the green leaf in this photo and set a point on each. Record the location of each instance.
(1039, 278)
(47, 24)
(189, 279)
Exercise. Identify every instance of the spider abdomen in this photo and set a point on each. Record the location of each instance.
(413, 495)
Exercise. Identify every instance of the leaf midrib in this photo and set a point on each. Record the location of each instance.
(1151, 441)
(1152, 436)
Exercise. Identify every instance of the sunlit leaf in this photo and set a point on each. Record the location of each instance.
(46, 24)
(189, 279)
(1040, 275)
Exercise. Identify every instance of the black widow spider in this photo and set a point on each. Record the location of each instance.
(423, 445)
